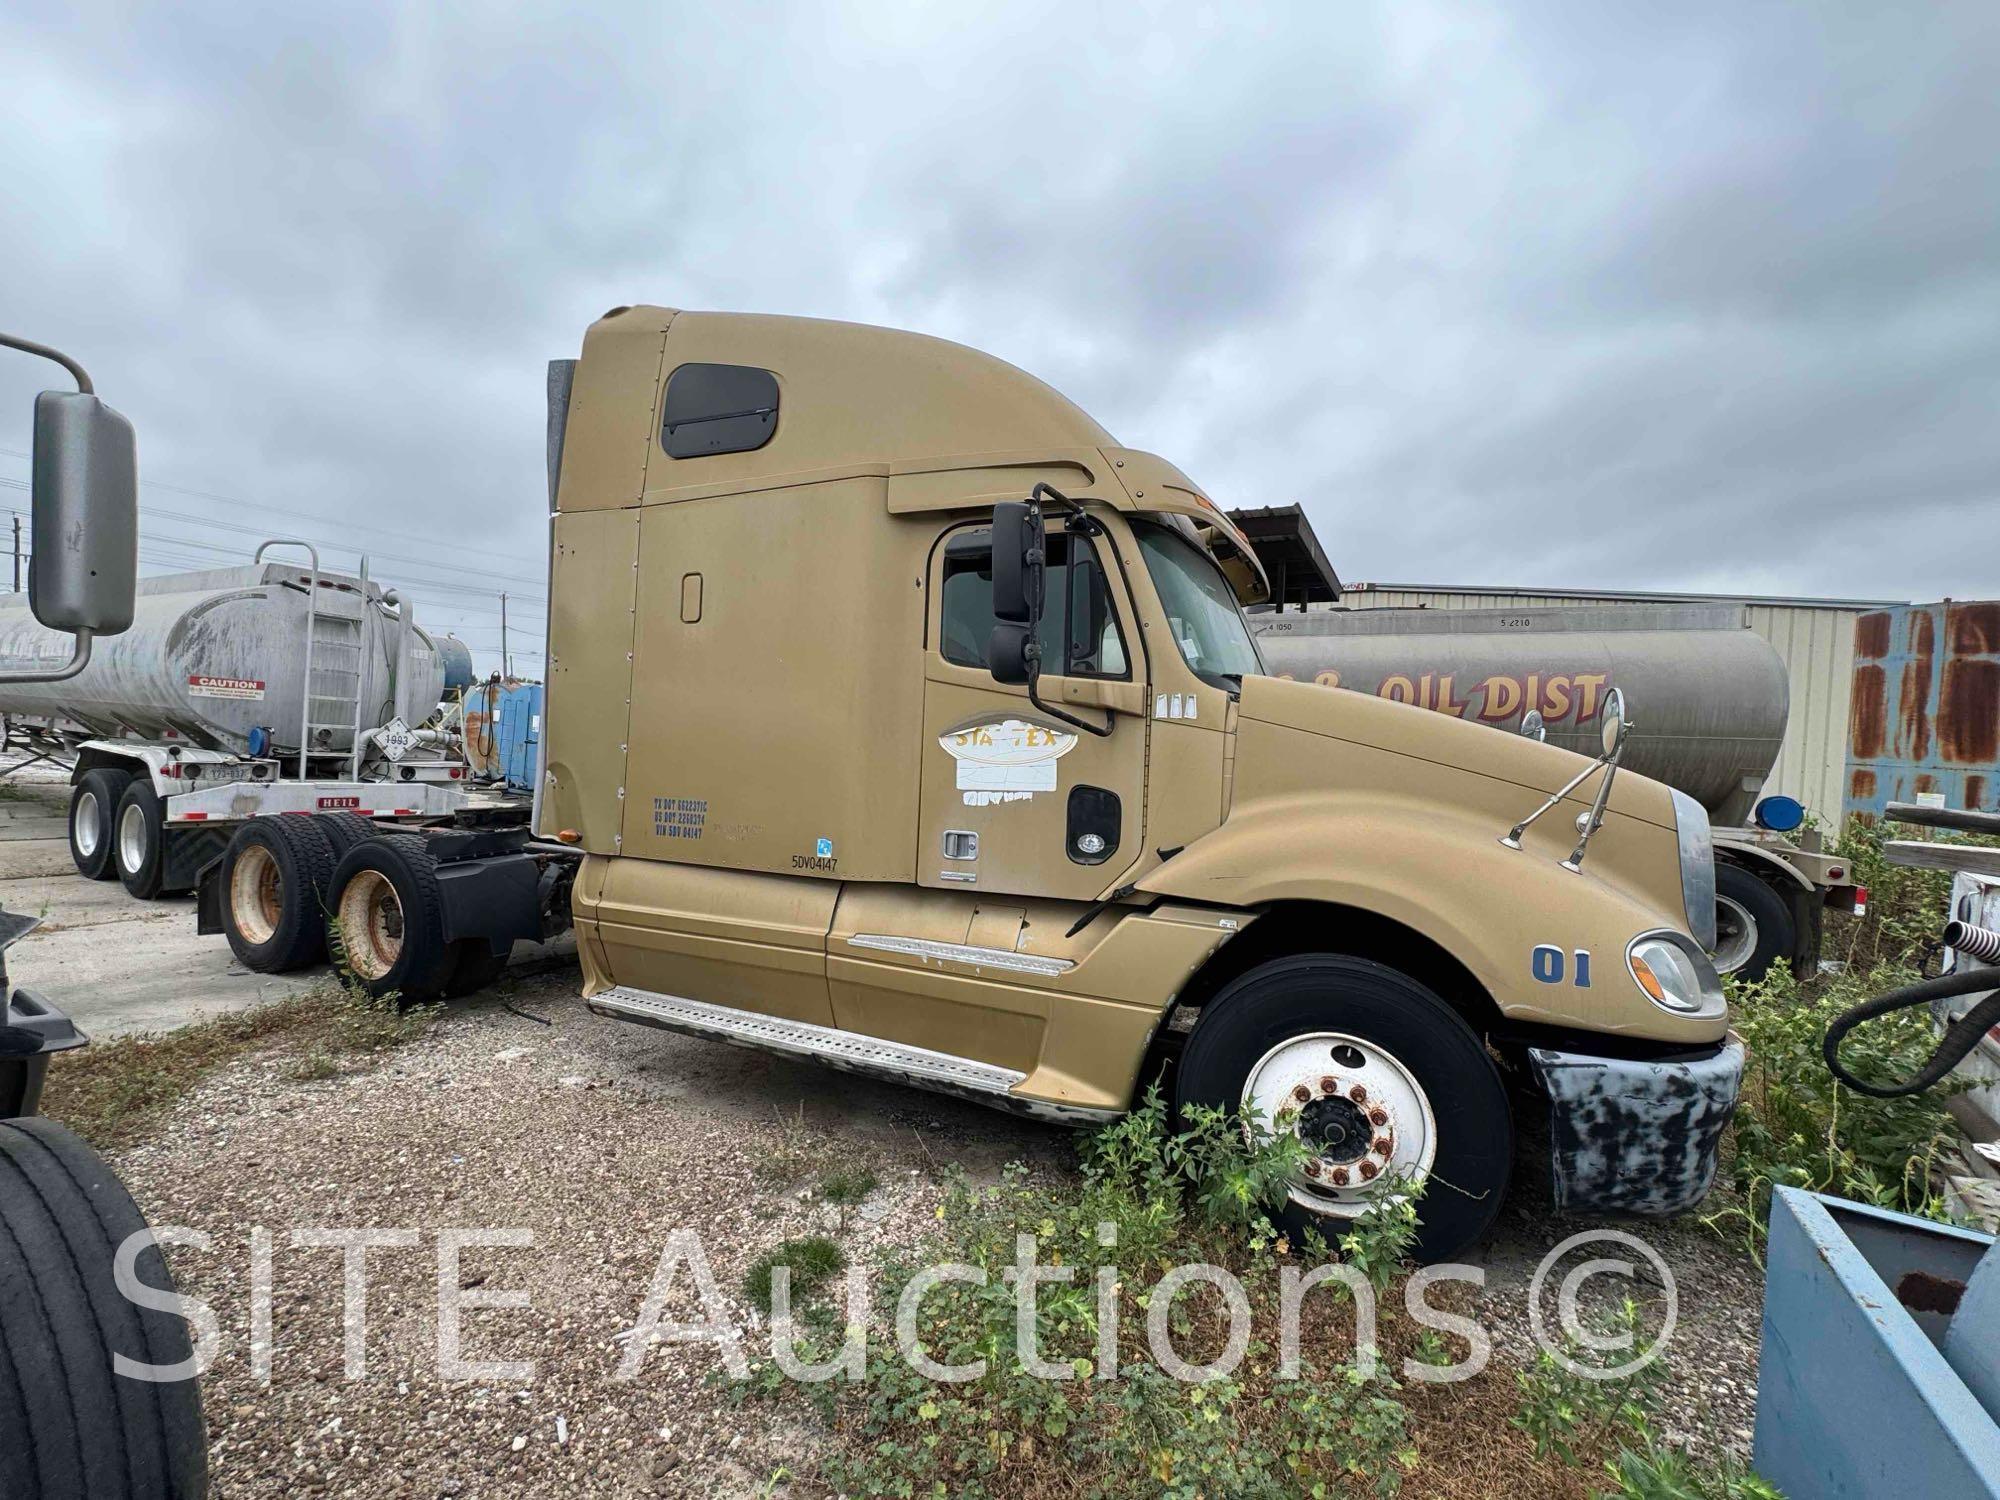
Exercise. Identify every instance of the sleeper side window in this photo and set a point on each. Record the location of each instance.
(1079, 631)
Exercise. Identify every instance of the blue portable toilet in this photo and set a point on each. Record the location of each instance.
(520, 734)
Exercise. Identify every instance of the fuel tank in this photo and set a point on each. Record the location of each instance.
(1708, 697)
(215, 653)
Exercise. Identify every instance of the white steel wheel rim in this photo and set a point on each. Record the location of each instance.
(1361, 1112)
(1735, 935)
(256, 895)
(371, 924)
(132, 838)
(89, 829)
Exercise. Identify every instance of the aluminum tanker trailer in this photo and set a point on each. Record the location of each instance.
(275, 686)
(1709, 700)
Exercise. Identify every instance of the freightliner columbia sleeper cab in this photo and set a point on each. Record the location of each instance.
(899, 718)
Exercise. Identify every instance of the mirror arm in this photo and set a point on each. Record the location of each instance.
(1035, 697)
(28, 346)
(79, 659)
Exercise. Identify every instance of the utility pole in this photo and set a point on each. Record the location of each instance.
(17, 554)
(506, 666)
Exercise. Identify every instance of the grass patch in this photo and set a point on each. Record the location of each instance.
(814, 1262)
(798, 1151)
(115, 1092)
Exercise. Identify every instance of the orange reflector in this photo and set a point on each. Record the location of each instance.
(569, 836)
(1646, 980)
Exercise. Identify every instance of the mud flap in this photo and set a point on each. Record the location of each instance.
(189, 851)
(1636, 1137)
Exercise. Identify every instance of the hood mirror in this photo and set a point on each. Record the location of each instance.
(1532, 725)
(1615, 726)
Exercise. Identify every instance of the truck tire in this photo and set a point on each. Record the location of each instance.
(1753, 926)
(274, 880)
(475, 967)
(387, 926)
(1378, 1073)
(70, 1428)
(139, 839)
(93, 811)
(344, 830)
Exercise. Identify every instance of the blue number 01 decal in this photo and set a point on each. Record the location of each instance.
(1548, 964)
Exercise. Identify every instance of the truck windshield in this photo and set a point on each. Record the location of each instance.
(1202, 612)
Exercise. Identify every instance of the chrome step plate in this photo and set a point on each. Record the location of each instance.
(824, 1044)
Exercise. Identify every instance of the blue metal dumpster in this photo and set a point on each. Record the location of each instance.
(520, 733)
(1854, 1394)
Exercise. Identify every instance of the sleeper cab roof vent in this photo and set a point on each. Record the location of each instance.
(714, 409)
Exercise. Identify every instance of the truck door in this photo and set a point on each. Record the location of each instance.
(1013, 799)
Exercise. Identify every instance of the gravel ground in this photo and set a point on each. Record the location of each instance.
(603, 1139)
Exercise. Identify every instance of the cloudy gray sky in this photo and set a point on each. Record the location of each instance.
(1700, 296)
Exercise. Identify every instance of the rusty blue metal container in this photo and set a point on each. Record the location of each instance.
(1856, 1394)
(1924, 716)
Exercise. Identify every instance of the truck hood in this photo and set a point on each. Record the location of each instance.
(1402, 729)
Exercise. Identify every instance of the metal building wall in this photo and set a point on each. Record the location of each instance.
(1814, 636)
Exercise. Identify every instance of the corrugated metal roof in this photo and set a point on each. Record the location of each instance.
(1633, 596)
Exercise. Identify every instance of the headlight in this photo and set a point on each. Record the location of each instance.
(1675, 974)
(1697, 867)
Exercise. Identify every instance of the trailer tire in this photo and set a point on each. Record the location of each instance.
(1753, 925)
(344, 830)
(70, 1427)
(1331, 1024)
(93, 814)
(387, 923)
(139, 842)
(274, 880)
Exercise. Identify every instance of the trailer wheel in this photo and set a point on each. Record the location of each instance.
(344, 830)
(71, 1428)
(388, 918)
(1373, 1072)
(139, 840)
(274, 881)
(93, 809)
(475, 966)
(1753, 928)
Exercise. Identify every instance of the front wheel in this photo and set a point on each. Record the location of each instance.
(1379, 1077)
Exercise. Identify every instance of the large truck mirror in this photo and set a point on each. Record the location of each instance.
(83, 573)
(1017, 561)
(1010, 652)
(84, 569)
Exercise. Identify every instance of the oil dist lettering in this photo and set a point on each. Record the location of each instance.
(679, 817)
(1560, 697)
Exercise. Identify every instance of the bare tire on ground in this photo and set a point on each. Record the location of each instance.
(344, 830)
(93, 808)
(139, 840)
(1380, 1078)
(1753, 926)
(70, 1427)
(388, 920)
(274, 878)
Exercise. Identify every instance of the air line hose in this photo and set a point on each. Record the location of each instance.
(1959, 1038)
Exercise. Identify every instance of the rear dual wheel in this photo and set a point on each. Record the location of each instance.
(275, 874)
(388, 919)
(93, 810)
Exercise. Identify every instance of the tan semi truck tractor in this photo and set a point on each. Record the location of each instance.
(900, 719)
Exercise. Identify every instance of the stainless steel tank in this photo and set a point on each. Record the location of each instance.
(212, 655)
(1708, 698)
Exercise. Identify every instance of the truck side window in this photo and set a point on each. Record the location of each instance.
(1079, 634)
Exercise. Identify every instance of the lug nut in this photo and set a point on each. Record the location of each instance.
(1378, 1116)
(1383, 1146)
(1358, 1094)
(1368, 1171)
(1312, 1169)
(1302, 1094)
(1329, 1085)
(1338, 1176)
